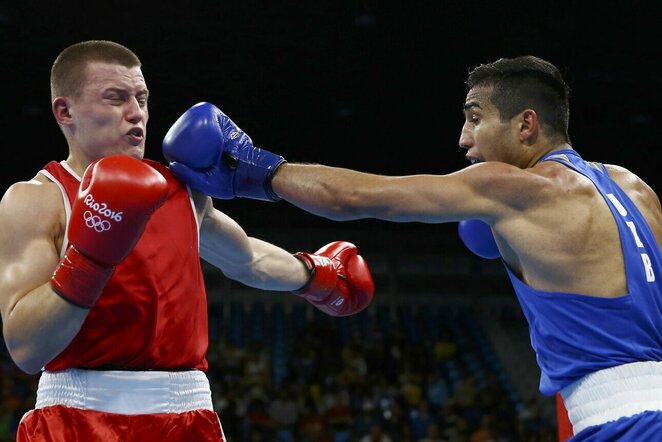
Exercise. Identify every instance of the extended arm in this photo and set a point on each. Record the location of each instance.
(256, 263)
(212, 155)
(335, 279)
(479, 191)
(345, 194)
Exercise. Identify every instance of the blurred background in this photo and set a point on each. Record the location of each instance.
(376, 86)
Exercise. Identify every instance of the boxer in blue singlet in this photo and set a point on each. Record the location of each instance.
(605, 353)
(581, 241)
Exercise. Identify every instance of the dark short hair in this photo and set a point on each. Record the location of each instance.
(69, 69)
(527, 82)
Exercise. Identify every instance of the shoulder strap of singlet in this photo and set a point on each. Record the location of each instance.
(59, 173)
(564, 156)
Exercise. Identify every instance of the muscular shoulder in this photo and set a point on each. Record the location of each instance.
(634, 186)
(32, 207)
(39, 195)
(623, 176)
(513, 186)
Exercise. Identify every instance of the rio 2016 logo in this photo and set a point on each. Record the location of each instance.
(94, 221)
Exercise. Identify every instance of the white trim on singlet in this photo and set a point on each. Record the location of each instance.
(613, 393)
(67, 208)
(68, 168)
(198, 222)
(125, 392)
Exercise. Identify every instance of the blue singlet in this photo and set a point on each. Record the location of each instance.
(574, 334)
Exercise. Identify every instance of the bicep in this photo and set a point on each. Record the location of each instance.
(468, 193)
(419, 198)
(223, 243)
(29, 255)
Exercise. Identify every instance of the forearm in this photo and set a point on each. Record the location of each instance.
(335, 279)
(40, 326)
(256, 264)
(274, 268)
(331, 192)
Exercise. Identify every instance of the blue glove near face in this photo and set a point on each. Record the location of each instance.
(209, 153)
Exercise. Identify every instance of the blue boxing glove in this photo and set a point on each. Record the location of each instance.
(208, 152)
(477, 236)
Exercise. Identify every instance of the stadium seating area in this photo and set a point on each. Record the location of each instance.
(284, 372)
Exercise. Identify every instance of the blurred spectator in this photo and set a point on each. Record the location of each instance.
(356, 367)
(303, 363)
(228, 406)
(338, 414)
(445, 347)
(393, 346)
(466, 391)
(411, 388)
(258, 419)
(395, 421)
(284, 413)
(432, 434)
(312, 426)
(531, 421)
(419, 420)
(231, 359)
(257, 370)
(376, 435)
(485, 432)
(454, 427)
(437, 391)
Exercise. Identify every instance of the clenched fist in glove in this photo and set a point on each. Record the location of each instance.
(116, 198)
(340, 283)
(208, 152)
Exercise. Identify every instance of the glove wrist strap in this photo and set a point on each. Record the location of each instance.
(79, 280)
(322, 277)
(254, 174)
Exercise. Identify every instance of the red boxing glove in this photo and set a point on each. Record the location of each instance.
(340, 283)
(117, 195)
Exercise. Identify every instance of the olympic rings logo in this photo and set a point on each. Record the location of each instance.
(95, 222)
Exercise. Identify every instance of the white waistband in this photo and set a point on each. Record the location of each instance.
(126, 392)
(612, 393)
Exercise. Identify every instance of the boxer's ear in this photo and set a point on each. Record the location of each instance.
(60, 107)
(528, 126)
